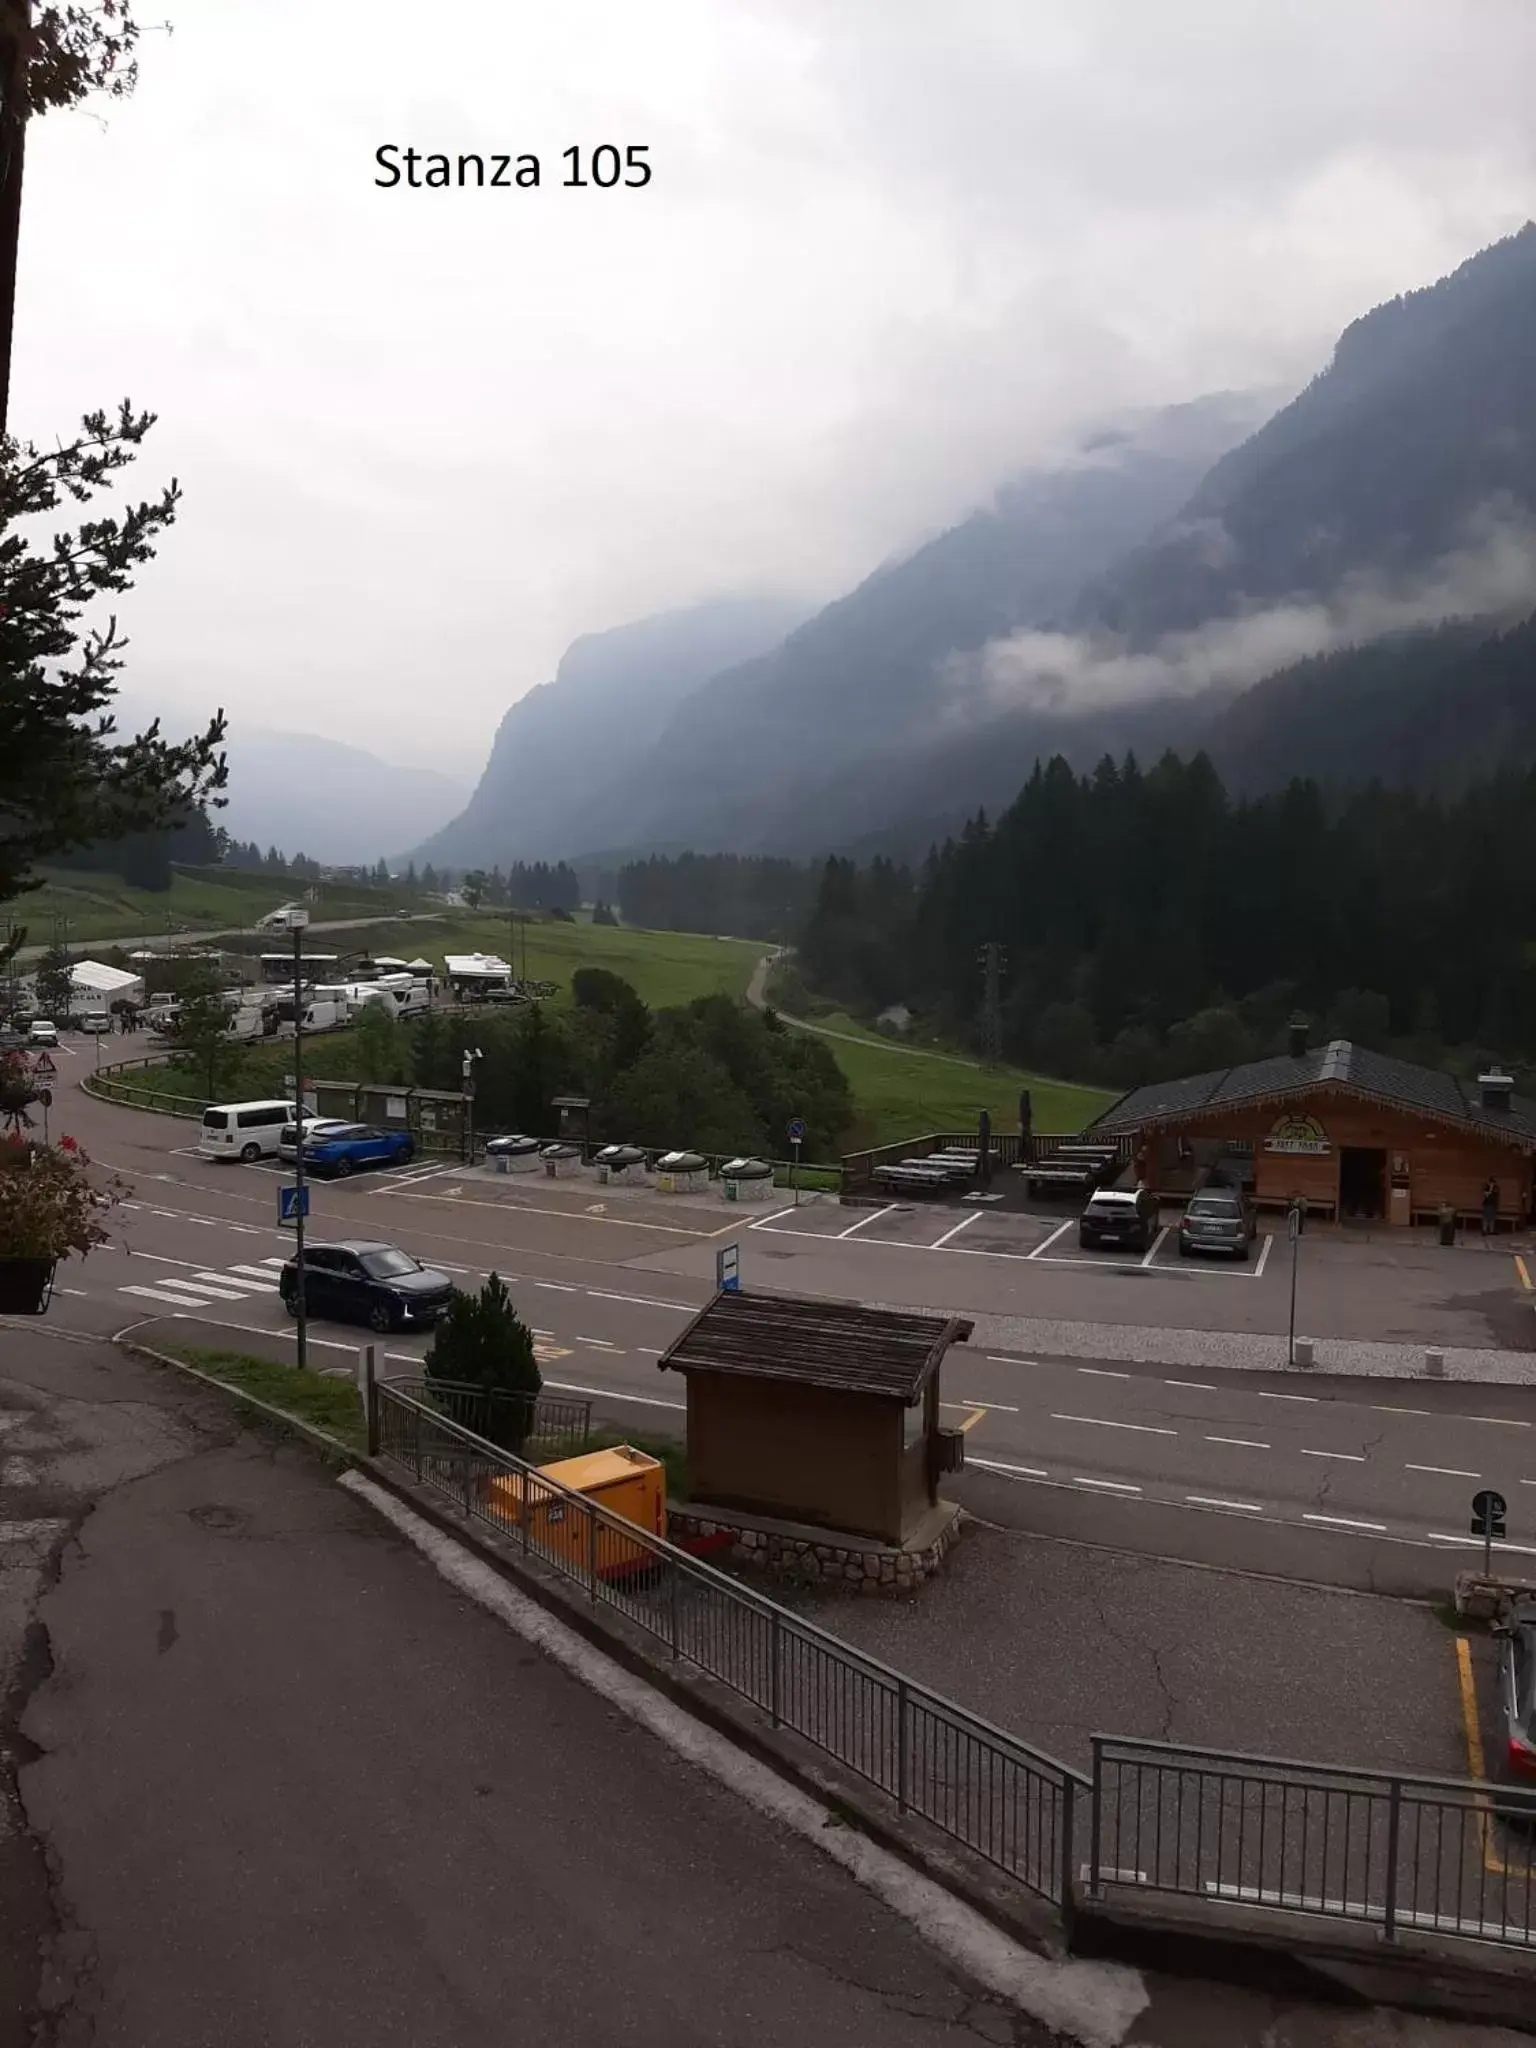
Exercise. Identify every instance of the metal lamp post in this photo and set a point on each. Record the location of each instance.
(296, 921)
(467, 1071)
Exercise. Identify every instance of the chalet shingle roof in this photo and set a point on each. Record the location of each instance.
(1340, 1064)
(874, 1351)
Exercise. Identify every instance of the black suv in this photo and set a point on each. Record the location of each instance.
(1218, 1219)
(1119, 1216)
(376, 1284)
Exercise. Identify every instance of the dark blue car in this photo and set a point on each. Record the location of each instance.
(342, 1151)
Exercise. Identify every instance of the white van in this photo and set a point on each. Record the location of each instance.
(243, 1130)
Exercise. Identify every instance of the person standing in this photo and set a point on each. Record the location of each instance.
(1490, 1206)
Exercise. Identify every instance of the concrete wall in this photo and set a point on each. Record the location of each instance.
(801, 1454)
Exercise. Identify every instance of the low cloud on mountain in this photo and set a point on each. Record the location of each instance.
(1492, 575)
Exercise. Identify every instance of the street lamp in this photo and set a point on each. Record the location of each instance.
(295, 920)
(467, 1071)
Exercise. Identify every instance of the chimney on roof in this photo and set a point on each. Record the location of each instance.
(1298, 1037)
(1497, 1088)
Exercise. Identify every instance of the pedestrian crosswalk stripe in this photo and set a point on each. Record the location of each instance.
(261, 1273)
(236, 1279)
(199, 1291)
(155, 1294)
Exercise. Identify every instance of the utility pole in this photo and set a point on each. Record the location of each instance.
(15, 49)
(993, 960)
(297, 920)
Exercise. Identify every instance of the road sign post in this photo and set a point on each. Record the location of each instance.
(1294, 1226)
(292, 1203)
(1488, 1512)
(796, 1140)
(728, 1269)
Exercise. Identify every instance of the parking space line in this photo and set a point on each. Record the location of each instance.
(964, 1224)
(1477, 1766)
(1156, 1245)
(1046, 1242)
(1520, 1268)
(972, 1419)
(763, 1222)
(854, 1228)
(1258, 1270)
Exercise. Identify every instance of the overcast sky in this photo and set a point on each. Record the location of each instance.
(891, 251)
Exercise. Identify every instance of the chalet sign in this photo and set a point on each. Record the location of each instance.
(1299, 1137)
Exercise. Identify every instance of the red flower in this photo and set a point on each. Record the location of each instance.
(69, 1145)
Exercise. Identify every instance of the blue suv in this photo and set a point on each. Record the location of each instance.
(341, 1151)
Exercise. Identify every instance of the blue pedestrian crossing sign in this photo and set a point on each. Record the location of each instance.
(292, 1203)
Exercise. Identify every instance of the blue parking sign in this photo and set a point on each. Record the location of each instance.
(797, 1130)
(292, 1203)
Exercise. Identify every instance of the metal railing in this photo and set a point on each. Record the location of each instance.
(541, 1426)
(978, 1785)
(1391, 1850)
(108, 1085)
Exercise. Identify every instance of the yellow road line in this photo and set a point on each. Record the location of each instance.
(972, 1419)
(1520, 1268)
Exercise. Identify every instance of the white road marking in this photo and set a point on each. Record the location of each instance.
(641, 1301)
(78, 1293)
(1312, 1398)
(557, 1286)
(1102, 1372)
(1012, 1471)
(1344, 1457)
(1382, 1408)
(613, 1394)
(1084, 2000)
(649, 1351)
(1515, 1549)
(1002, 1407)
(874, 1217)
(1344, 1522)
(964, 1224)
(1102, 1422)
(1243, 1443)
(1201, 1500)
(261, 1273)
(1502, 1421)
(155, 1294)
(1046, 1242)
(1105, 1485)
(763, 1222)
(601, 1343)
(246, 1285)
(1156, 1245)
(1194, 1386)
(195, 1292)
(1258, 1271)
(1448, 1472)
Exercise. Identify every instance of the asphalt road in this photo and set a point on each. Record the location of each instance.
(197, 936)
(278, 1784)
(1356, 1482)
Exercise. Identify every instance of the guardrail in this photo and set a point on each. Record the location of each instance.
(107, 1085)
(978, 1785)
(1387, 1850)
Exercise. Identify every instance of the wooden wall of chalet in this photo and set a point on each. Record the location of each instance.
(1443, 1164)
(801, 1454)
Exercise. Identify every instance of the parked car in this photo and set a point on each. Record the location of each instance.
(314, 1127)
(42, 1031)
(362, 1282)
(342, 1152)
(96, 1021)
(1119, 1216)
(1218, 1219)
(1517, 1692)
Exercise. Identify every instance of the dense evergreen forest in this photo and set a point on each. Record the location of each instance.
(718, 892)
(1150, 924)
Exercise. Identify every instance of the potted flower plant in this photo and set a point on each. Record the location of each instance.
(51, 1204)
